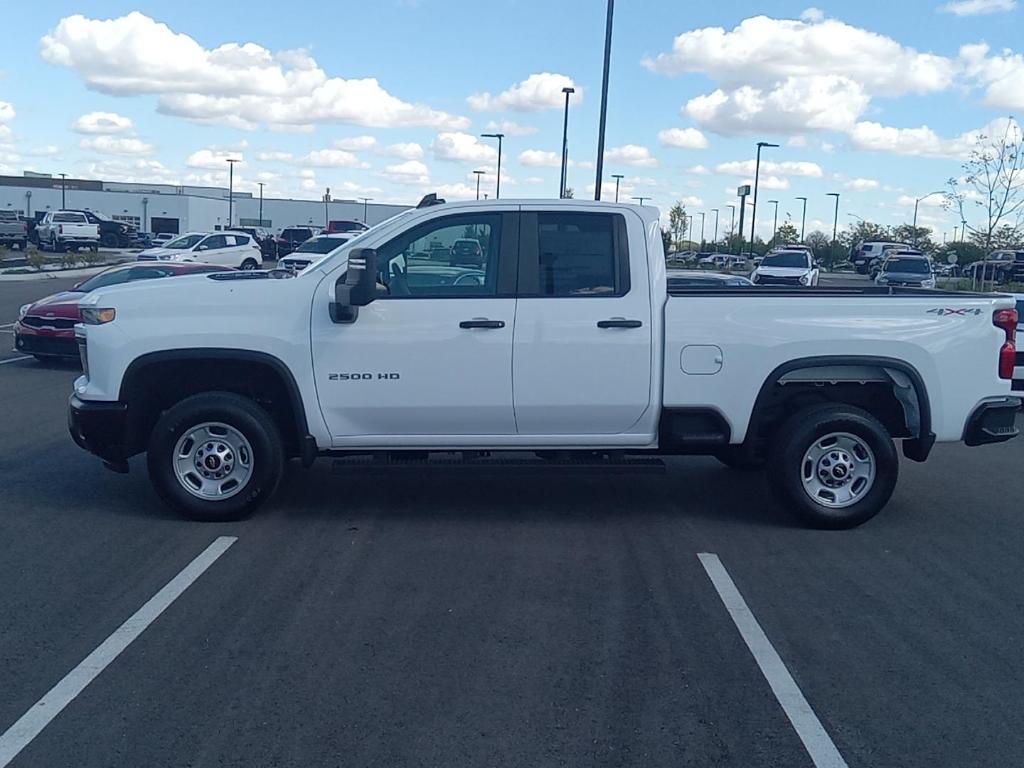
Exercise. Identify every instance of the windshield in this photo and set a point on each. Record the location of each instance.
(797, 260)
(913, 266)
(321, 245)
(182, 243)
(114, 276)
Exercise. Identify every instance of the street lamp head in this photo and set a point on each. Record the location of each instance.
(802, 198)
(832, 194)
(567, 89)
(492, 135)
(766, 144)
(774, 201)
(618, 176)
(480, 173)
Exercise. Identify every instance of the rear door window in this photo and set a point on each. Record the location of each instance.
(568, 254)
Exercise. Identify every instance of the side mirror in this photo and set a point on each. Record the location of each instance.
(358, 288)
(203, 248)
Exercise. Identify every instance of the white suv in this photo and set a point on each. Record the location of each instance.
(224, 249)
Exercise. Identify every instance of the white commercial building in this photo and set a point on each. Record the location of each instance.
(159, 208)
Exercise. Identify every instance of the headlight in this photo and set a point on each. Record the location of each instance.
(23, 310)
(164, 257)
(930, 283)
(97, 316)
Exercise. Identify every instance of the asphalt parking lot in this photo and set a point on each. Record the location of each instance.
(512, 620)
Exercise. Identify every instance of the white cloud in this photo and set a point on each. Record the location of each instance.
(538, 158)
(275, 156)
(103, 122)
(537, 92)
(7, 112)
(332, 158)
(510, 128)
(116, 145)
(861, 185)
(535, 180)
(693, 201)
(240, 85)
(787, 167)
(700, 170)
(922, 141)
(409, 150)
(356, 143)
(630, 154)
(1001, 76)
(137, 170)
(457, 191)
(764, 182)
(462, 147)
(813, 15)
(977, 7)
(213, 160)
(410, 172)
(48, 150)
(683, 138)
(935, 201)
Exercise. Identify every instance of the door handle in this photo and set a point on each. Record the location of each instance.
(619, 322)
(482, 322)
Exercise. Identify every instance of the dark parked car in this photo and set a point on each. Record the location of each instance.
(113, 234)
(46, 328)
(292, 237)
(1005, 266)
(263, 236)
(466, 252)
(337, 227)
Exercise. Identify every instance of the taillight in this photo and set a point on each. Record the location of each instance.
(1007, 320)
(60, 229)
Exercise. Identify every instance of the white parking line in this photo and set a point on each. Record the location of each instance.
(29, 725)
(6, 325)
(808, 727)
(15, 360)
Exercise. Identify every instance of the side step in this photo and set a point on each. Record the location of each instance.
(386, 464)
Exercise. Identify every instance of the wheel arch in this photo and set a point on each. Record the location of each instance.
(906, 384)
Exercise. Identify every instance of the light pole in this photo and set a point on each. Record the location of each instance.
(231, 189)
(499, 137)
(365, 201)
(732, 219)
(858, 218)
(757, 174)
(955, 230)
(28, 204)
(716, 229)
(63, 202)
(835, 223)
(604, 98)
(618, 177)
(327, 200)
(916, 201)
(641, 199)
(702, 230)
(775, 222)
(803, 218)
(261, 202)
(145, 207)
(565, 142)
(478, 175)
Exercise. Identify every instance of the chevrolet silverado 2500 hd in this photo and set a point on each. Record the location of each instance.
(564, 338)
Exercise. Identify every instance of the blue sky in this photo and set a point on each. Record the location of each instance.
(874, 100)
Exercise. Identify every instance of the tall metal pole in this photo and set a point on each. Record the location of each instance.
(604, 99)
(916, 201)
(499, 137)
(618, 178)
(565, 143)
(716, 229)
(478, 175)
(327, 199)
(365, 201)
(732, 219)
(641, 199)
(803, 218)
(702, 230)
(261, 201)
(231, 190)
(63, 202)
(757, 174)
(835, 222)
(775, 222)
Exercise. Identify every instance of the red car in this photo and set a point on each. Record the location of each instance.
(46, 328)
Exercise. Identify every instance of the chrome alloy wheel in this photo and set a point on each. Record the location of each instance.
(838, 470)
(213, 461)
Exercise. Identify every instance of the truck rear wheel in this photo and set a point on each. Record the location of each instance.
(835, 466)
(215, 456)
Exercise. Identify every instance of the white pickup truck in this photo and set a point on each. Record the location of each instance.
(564, 341)
(67, 229)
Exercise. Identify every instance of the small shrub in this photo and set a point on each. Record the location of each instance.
(92, 258)
(36, 258)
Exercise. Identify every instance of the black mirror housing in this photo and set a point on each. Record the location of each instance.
(358, 288)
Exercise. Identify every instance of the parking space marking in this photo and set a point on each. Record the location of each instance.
(808, 727)
(6, 325)
(29, 725)
(15, 359)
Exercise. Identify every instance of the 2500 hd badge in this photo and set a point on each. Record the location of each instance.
(362, 376)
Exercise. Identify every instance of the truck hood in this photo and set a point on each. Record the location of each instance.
(782, 271)
(63, 304)
(905, 277)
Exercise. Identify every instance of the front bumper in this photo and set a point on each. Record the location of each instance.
(29, 341)
(100, 428)
(993, 422)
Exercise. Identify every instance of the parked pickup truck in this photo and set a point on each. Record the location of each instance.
(67, 229)
(12, 230)
(564, 341)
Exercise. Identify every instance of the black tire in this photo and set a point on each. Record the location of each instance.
(108, 240)
(250, 264)
(799, 433)
(734, 457)
(238, 412)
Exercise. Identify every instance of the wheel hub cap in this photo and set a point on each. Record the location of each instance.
(213, 461)
(838, 470)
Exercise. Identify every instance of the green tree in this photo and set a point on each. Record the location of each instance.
(820, 244)
(677, 223)
(666, 240)
(786, 234)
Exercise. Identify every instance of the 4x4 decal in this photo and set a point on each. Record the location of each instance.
(963, 311)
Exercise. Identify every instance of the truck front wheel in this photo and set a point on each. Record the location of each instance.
(215, 456)
(834, 466)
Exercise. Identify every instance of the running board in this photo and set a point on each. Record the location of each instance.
(487, 465)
